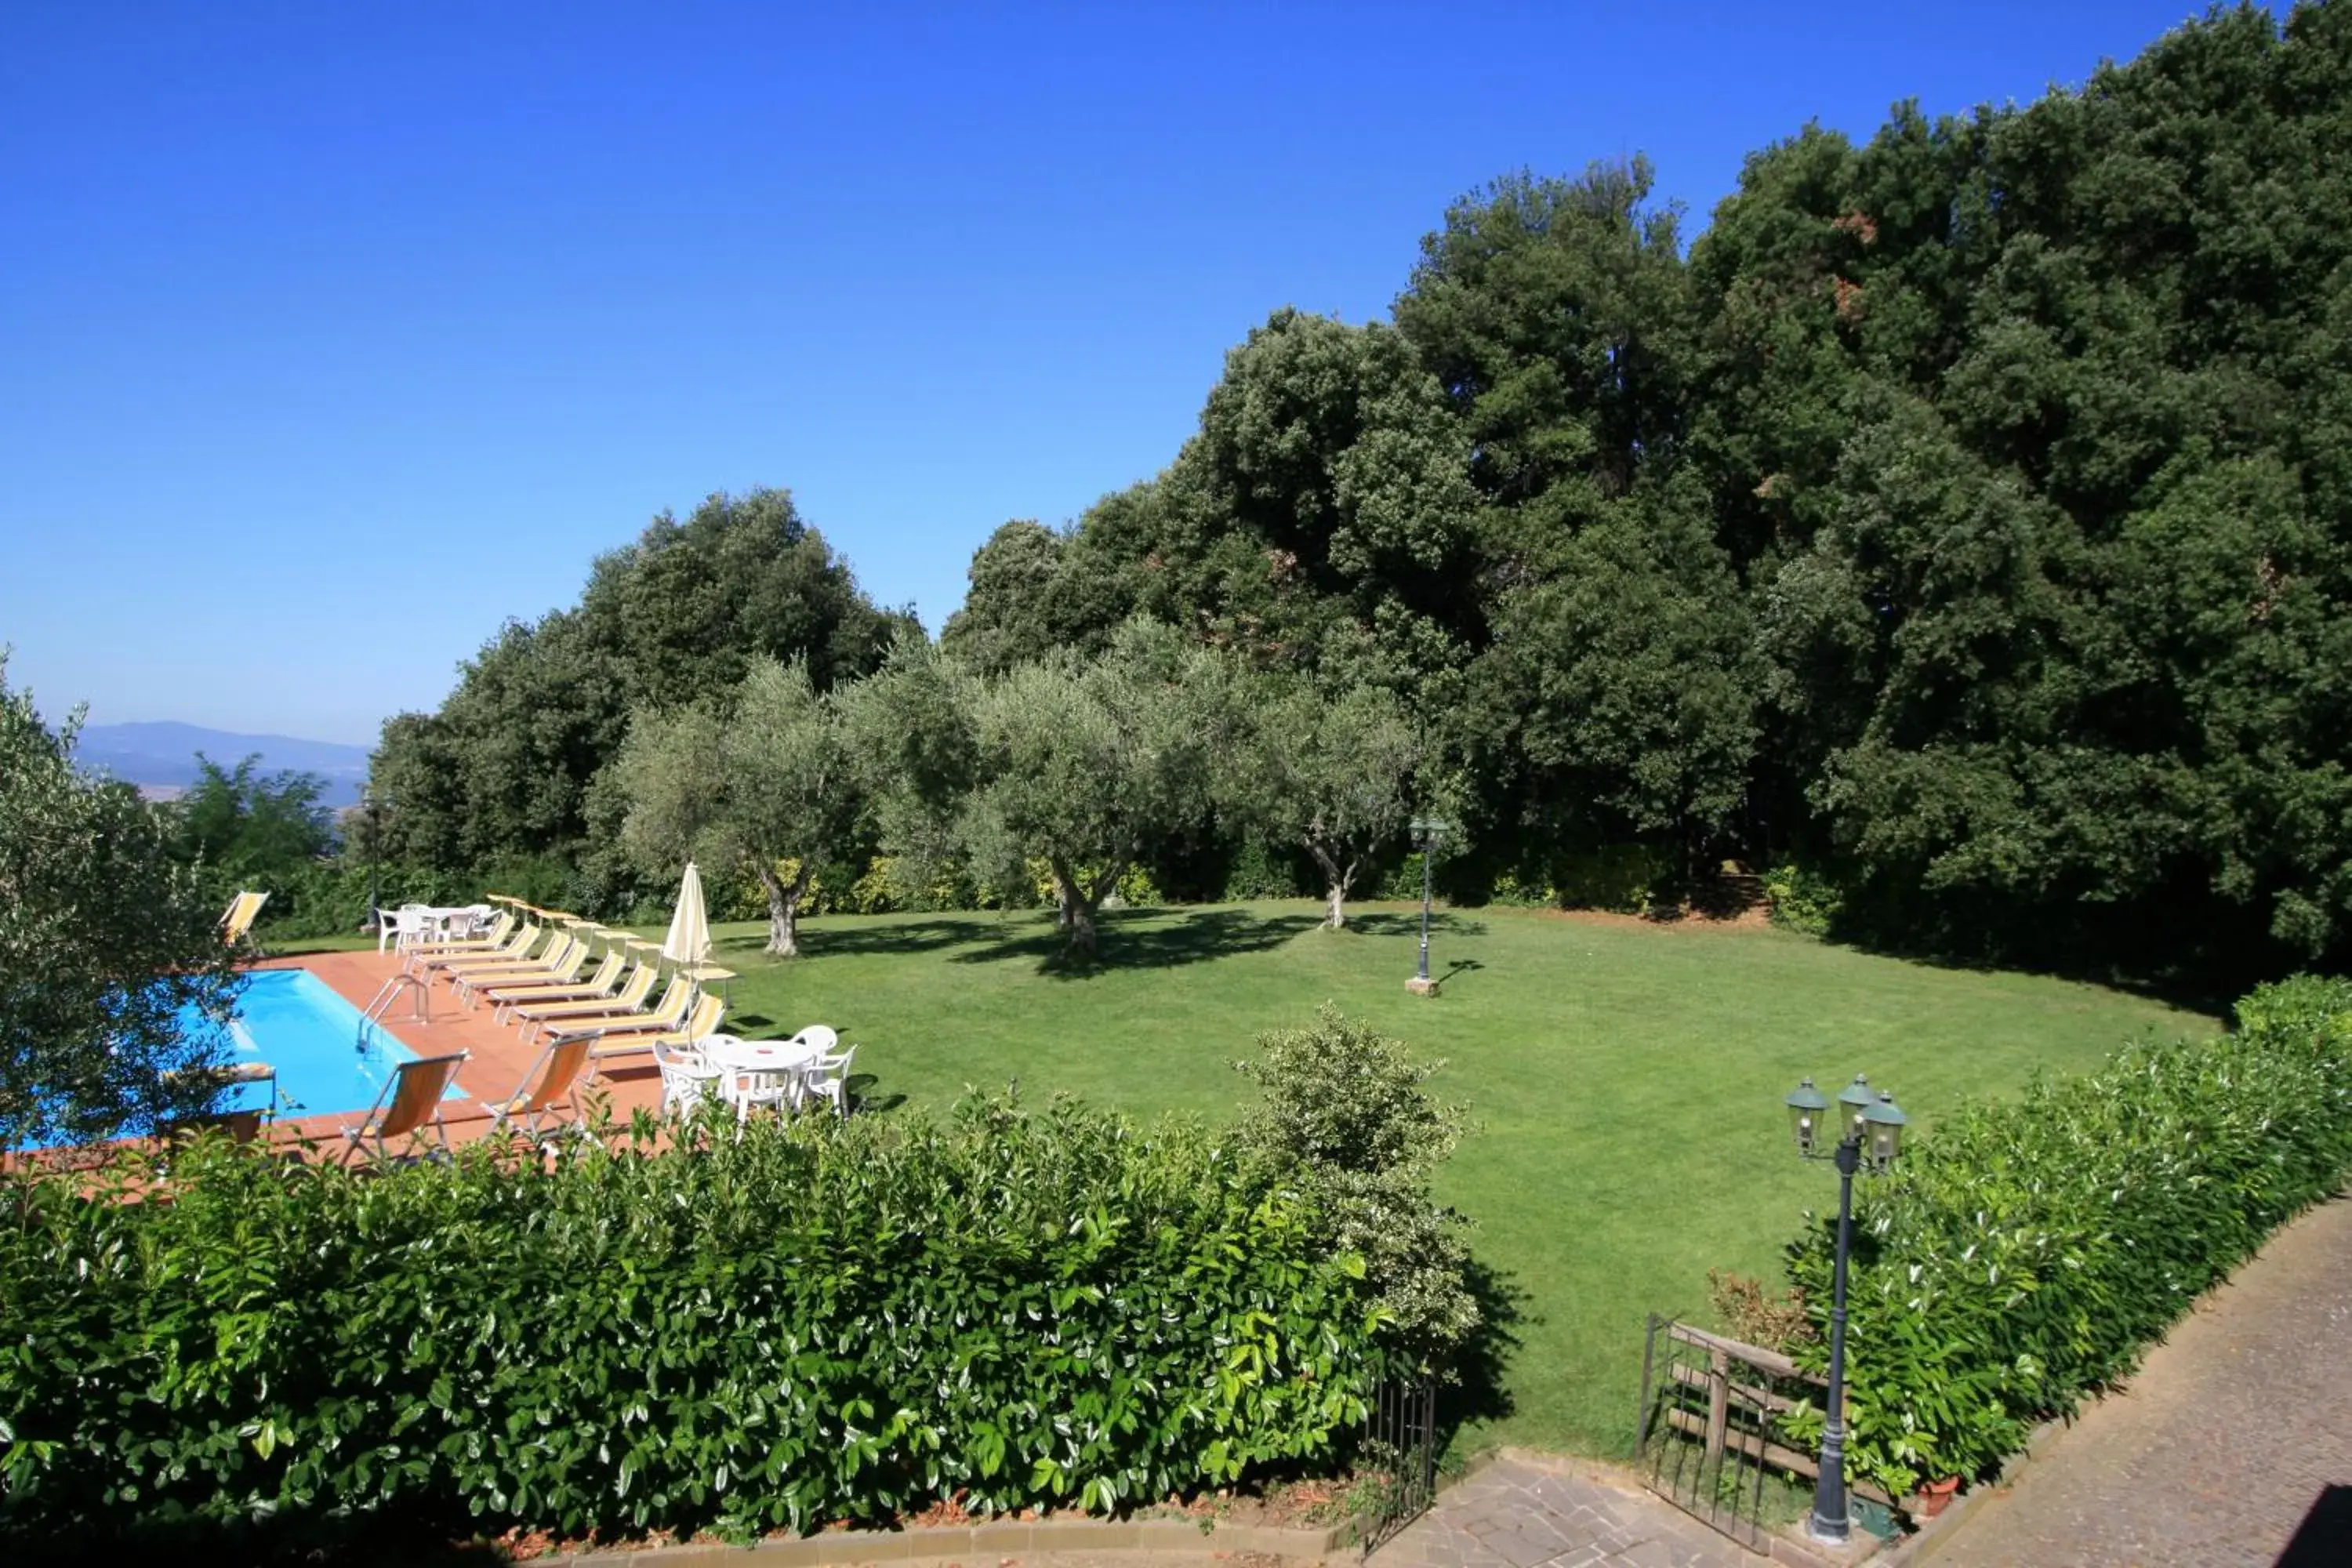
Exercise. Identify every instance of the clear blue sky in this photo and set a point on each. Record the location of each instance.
(334, 334)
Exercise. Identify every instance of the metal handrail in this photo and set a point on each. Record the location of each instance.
(420, 995)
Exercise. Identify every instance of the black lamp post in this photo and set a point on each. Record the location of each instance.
(372, 807)
(1869, 1131)
(1426, 832)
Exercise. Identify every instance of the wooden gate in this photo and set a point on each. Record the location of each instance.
(1711, 1437)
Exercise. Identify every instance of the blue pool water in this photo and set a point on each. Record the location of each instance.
(295, 1022)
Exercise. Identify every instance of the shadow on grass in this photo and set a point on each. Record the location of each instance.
(893, 938)
(1146, 939)
(1390, 923)
(1481, 1391)
(1459, 966)
(865, 1101)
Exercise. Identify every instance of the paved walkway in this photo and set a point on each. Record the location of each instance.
(1522, 1513)
(2217, 1450)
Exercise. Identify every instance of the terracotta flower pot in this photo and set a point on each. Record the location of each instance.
(1936, 1495)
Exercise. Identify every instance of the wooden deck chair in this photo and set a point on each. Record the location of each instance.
(552, 1079)
(505, 998)
(630, 1004)
(242, 912)
(409, 1101)
(708, 1010)
(565, 957)
(496, 937)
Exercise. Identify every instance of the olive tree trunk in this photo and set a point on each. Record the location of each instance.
(1337, 879)
(784, 908)
(1077, 902)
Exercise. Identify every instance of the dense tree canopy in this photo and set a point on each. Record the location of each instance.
(250, 826)
(1961, 518)
(104, 938)
(501, 770)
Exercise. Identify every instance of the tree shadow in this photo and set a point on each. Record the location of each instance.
(1480, 1391)
(1390, 922)
(2214, 996)
(1126, 941)
(898, 938)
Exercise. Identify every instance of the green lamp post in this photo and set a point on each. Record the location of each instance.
(1426, 832)
(1867, 1130)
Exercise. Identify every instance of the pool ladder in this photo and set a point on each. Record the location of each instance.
(420, 1005)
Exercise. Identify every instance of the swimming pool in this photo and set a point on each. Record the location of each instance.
(294, 1021)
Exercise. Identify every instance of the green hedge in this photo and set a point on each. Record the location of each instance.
(817, 1323)
(2027, 1252)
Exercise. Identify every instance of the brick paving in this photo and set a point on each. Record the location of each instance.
(491, 1074)
(1519, 1513)
(2218, 1449)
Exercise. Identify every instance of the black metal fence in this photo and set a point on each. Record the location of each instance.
(1397, 1473)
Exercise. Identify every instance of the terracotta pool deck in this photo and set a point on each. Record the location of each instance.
(492, 1073)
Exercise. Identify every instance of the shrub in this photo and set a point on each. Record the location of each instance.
(1345, 1117)
(2027, 1252)
(1802, 899)
(1619, 877)
(817, 1323)
(1748, 1311)
(1262, 871)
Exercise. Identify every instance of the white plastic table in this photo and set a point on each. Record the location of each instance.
(758, 1055)
(777, 1057)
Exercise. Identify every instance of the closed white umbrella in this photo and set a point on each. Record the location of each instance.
(689, 925)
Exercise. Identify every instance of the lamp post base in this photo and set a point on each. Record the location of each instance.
(1422, 985)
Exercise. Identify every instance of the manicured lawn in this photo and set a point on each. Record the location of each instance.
(1629, 1077)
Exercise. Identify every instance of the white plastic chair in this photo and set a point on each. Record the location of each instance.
(819, 1038)
(402, 926)
(827, 1079)
(688, 1079)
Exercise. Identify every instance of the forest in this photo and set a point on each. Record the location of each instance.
(1952, 526)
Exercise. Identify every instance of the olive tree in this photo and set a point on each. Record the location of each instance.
(1087, 766)
(761, 781)
(107, 946)
(1334, 775)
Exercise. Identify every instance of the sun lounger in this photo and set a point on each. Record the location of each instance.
(420, 960)
(242, 912)
(242, 1123)
(410, 1101)
(496, 937)
(519, 952)
(565, 959)
(628, 1005)
(511, 994)
(552, 1079)
(710, 1010)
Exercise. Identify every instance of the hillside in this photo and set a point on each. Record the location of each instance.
(160, 758)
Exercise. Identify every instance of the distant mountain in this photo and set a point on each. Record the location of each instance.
(161, 757)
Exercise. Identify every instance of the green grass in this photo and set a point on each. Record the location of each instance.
(1628, 1078)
